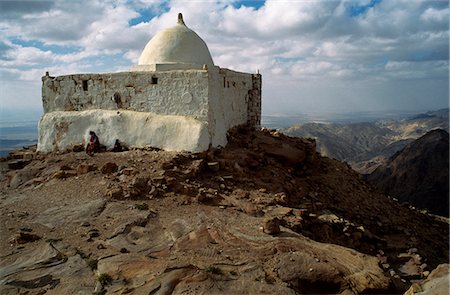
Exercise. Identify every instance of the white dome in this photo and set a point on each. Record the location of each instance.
(178, 44)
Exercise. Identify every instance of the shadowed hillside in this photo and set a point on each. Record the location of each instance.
(419, 174)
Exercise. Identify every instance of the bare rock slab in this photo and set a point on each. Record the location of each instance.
(57, 216)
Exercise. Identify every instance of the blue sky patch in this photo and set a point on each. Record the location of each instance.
(106, 63)
(356, 10)
(58, 49)
(147, 14)
(257, 4)
(422, 55)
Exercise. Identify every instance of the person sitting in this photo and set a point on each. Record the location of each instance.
(117, 146)
(94, 144)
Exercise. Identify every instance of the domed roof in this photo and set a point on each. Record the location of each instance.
(178, 44)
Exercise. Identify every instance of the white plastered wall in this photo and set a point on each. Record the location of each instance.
(61, 130)
(228, 99)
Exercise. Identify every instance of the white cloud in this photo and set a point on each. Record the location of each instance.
(291, 42)
(65, 23)
(414, 70)
(435, 15)
(17, 56)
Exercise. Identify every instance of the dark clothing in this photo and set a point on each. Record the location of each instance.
(117, 146)
(93, 145)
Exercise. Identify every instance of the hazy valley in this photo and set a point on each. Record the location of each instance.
(366, 145)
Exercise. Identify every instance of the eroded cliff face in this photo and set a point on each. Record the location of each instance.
(266, 214)
(419, 173)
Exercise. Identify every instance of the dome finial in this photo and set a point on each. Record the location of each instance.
(180, 19)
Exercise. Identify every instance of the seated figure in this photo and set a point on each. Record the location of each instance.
(94, 144)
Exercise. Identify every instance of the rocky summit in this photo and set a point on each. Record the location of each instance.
(264, 215)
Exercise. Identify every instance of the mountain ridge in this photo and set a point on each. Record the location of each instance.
(367, 145)
(419, 173)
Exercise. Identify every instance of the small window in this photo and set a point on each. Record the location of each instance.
(154, 80)
(85, 85)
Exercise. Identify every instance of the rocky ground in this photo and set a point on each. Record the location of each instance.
(265, 215)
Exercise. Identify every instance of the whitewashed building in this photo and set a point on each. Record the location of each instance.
(175, 98)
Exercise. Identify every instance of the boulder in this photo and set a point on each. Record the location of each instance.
(65, 167)
(18, 164)
(438, 282)
(139, 187)
(24, 237)
(128, 171)
(109, 168)
(84, 168)
(314, 271)
(20, 177)
(213, 166)
(115, 193)
(60, 174)
(78, 148)
(272, 226)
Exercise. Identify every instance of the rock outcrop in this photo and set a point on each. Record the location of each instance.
(438, 282)
(265, 215)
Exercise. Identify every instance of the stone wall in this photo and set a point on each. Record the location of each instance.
(174, 110)
(254, 102)
(168, 93)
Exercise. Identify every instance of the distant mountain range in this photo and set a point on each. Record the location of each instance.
(367, 145)
(418, 174)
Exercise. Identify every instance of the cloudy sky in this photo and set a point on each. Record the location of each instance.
(314, 56)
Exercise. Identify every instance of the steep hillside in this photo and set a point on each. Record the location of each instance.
(419, 174)
(418, 125)
(265, 215)
(367, 145)
(356, 141)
